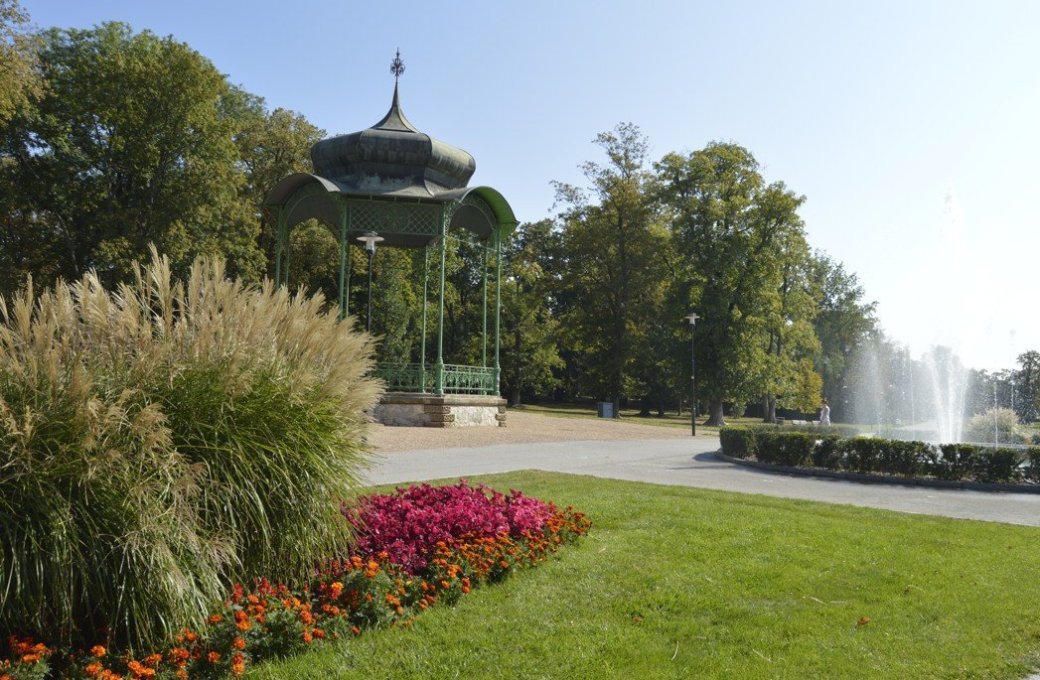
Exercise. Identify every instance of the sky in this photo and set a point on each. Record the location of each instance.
(912, 128)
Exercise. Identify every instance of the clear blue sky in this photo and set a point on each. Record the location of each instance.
(913, 128)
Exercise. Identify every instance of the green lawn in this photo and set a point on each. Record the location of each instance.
(683, 583)
(631, 415)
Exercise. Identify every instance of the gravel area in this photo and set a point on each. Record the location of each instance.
(521, 428)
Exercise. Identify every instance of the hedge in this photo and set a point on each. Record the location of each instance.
(829, 450)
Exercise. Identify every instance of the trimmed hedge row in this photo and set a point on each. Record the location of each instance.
(823, 449)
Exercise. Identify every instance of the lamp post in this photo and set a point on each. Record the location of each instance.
(692, 318)
(370, 240)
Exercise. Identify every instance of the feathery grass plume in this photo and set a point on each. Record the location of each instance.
(162, 439)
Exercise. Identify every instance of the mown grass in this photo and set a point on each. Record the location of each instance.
(631, 415)
(685, 583)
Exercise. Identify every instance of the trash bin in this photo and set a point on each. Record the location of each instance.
(605, 409)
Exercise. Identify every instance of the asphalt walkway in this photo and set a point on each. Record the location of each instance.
(689, 462)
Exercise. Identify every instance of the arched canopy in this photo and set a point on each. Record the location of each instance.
(481, 210)
(303, 196)
(411, 223)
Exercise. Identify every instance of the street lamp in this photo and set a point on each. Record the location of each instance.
(692, 318)
(370, 240)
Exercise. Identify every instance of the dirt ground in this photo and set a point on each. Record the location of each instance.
(520, 428)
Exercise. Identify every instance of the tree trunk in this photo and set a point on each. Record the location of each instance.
(515, 398)
(716, 419)
(769, 409)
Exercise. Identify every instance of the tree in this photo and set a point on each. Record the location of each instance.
(612, 246)
(729, 228)
(843, 321)
(530, 330)
(1027, 386)
(20, 79)
(129, 144)
(271, 146)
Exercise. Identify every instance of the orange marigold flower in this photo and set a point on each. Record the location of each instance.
(190, 636)
(213, 657)
(92, 669)
(215, 619)
(355, 630)
(307, 637)
(243, 626)
(152, 659)
(336, 588)
(182, 674)
(238, 643)
(30, 658)
(238, 664)
(319, 633)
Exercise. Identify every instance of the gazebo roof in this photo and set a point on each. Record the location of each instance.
(392, 158)
(393, 179)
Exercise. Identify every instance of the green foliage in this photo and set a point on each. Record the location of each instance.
(738, 442)
(1001, 424)
(530, 330)
(162, 439)
(614, 256)
(784, 448)
(958, 461)
(130, 143)
(19, 68)
(733, 233)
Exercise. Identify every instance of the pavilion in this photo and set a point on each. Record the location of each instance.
(393, 184)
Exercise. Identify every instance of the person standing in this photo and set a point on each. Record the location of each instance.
(825, 414)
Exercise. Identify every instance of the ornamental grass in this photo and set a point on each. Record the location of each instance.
(162, 440)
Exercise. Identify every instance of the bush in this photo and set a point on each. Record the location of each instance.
(1032, 457)
(158, 441)
(864, 454)
(738, 442)
(785, 448)
(1001, 465)
(907, 458)
(828, 453)
(1000, 421)
(958, 461)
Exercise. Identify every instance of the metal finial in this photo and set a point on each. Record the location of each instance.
(397, 66)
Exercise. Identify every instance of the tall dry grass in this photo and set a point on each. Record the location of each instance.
(163, 439)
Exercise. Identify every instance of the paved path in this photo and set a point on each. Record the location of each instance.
(688, 462)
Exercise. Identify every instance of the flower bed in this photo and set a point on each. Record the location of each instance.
(415, 548)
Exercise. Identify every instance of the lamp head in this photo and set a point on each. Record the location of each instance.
(692, 318)
(370, 240)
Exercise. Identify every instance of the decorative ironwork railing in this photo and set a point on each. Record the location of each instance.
(458, 379)
(468, 379)
(406, 377)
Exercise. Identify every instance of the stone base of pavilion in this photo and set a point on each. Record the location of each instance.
(406, 409)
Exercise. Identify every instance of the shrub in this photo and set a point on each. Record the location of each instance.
(907, 458)
(828, 453)
(1033, 454)
(738, 442)
(162, 439)
(1002, 422)
(1001, 465)
(958, 461)
(785, 448)
(864, 454)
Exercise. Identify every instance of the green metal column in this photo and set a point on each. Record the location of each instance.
(346, 249)
(485, 267)
(343, 262)
(498, 308)
(279, 246)
(439, 386)
(422, 342)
